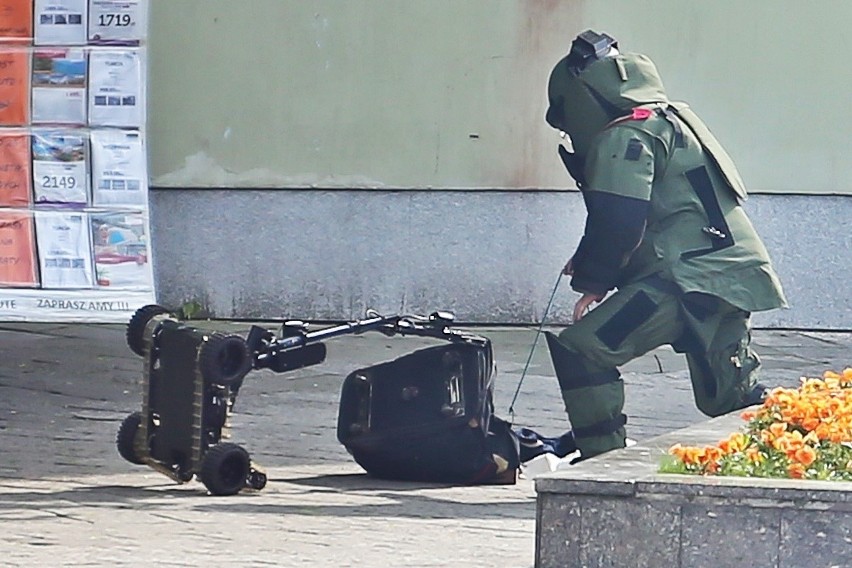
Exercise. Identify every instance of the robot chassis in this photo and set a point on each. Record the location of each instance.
(192, 377)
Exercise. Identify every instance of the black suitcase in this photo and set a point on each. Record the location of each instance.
(428, 416)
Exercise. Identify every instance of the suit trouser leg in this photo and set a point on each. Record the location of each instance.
(586, 356)
(724, 376)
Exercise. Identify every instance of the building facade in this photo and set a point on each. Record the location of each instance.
(314, 159)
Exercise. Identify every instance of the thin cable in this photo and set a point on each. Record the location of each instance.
(535, 342)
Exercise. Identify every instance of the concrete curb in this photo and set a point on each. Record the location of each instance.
(617, 510)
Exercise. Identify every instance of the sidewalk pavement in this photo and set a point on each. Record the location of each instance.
(68, 499)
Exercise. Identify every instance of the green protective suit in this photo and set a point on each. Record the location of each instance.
(666, 228)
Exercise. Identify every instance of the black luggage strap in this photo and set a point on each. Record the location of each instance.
(700, 305)
(663, 285)
(672, 119)
(629, 318)
(601, 428)
(718, 230)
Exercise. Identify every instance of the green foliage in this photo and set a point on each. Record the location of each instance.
(192, 309)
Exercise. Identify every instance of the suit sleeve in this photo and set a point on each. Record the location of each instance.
(619, 174)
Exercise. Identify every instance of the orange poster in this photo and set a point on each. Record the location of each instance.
(15, 163)
(14, 86)
(17, 249)
(16, 21)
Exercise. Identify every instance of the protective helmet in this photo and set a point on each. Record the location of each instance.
(595, 84)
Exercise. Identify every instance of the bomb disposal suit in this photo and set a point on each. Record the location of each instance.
(665, 227)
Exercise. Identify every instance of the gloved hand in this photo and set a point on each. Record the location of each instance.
(574, 165)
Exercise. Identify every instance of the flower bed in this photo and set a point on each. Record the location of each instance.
(803, 433)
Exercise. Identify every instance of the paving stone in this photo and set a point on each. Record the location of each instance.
(67, 498)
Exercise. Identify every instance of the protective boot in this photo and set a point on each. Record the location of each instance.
(756, 395)
(594, 399)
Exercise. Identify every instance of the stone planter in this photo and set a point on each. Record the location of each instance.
(616, 510)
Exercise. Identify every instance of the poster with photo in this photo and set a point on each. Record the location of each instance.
(16, 21)
(14, 86)
(121, 250)
(59, 86)
(15, 176)
(64, 246)
(115, 88)
(117, 22)
(17, 249)
(60, 22)
(74, 220)
(60, 171)
(119, 172)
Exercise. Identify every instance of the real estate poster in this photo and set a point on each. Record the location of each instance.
(64, 249)
(14, 86)
(121, 250)
(119, 172)
(115, 88)
(60, 172)
(117, 22)
(59, 86)
(74, 221)
(60, 22)
(16, 21)
(15, 175)
(17, 249)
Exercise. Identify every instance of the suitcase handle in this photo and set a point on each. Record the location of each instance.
(361, 425)
(454, 406)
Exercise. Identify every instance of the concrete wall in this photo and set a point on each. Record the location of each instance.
(446, 94)
(488, 256)
(355, 93)
(313, 159)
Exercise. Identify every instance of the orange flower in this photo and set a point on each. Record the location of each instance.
(789, 443)
(735, 443)
(796, 423)
(712, 455)
(823, 431)
(796, 470)
(694, 455)
(689, 455)
(754, 455)
(778, 428)
(805, 455)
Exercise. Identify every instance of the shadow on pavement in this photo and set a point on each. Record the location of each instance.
(396, 505)
(361, 482)
(346, 495)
